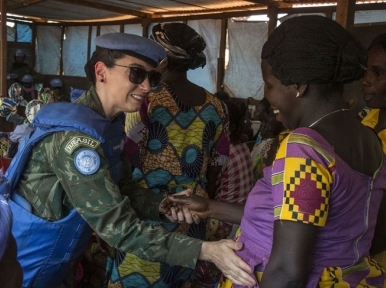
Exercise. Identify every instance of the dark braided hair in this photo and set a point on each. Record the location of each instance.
(315, 50)
(379, 41)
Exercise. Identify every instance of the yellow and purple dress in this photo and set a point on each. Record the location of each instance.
(310, 184)
(171, 144)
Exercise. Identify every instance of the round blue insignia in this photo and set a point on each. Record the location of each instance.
(87, 161)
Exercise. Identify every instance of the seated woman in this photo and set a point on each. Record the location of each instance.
(310, 221)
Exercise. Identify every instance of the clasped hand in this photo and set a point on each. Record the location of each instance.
(184, 207)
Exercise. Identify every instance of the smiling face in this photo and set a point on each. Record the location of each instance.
(374, 81)
(282, 98)
(117, 93)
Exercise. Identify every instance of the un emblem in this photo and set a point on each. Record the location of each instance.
(87, 161)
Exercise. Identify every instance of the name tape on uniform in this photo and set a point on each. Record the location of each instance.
(81, 141)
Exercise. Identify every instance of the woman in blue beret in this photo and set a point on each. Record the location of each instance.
(77, 181)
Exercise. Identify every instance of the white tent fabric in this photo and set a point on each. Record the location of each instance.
(135, 29)
(75, 51)
(47, 49)
(243, 77)
(210, 30)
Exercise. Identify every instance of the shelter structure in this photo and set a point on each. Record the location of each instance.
(58, 35)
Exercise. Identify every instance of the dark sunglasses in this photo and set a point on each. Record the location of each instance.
(137, 75)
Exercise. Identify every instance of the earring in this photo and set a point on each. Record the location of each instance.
(102, 80)
(297, 94)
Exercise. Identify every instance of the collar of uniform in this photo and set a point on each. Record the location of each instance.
(91, 100)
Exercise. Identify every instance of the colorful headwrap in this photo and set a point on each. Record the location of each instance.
(46, 95)
(182, 43)
(15, 93)
(4, 145)
(33, 108)
(314, 49)
(7, 106)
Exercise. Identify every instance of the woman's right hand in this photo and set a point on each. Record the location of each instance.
(198, 206)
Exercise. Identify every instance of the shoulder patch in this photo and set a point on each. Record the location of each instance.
(81, 141)
(87, 161)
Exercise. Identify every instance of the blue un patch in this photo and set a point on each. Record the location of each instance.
(87, 161)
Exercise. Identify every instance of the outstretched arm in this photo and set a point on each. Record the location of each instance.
(207, 208)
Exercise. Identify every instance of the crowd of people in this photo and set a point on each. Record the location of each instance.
(151, 174)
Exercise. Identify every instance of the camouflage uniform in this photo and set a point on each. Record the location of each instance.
(53, 186)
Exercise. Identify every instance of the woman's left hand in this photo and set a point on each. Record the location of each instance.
(222, 254)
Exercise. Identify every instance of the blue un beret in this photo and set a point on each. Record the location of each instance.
(27, 79)
(19, 53)
(56, 82)
(133, 45)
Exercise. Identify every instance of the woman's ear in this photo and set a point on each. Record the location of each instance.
(301, 89)
(100, 68)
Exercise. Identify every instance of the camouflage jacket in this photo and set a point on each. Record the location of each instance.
(52, 184)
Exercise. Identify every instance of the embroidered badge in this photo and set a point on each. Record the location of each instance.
(78, 141)
(87, 161)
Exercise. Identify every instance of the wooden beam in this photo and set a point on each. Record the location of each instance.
(184, 13)
(25, 4)
(263, 2)
(3, 48)
(89, 42)
(145, 27)
(111, 8)
(221, 59)
(62, 32)
(272, 13)
(345, 13)
(5, 126)
(332, 8)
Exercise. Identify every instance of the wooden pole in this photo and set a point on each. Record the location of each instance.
(345, 13)
(3, 48)
(272, 13)
(221, 59)
(5, 126)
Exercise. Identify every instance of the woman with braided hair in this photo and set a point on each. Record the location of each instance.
(310, 221)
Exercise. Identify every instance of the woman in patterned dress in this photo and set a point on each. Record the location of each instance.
(178, 140)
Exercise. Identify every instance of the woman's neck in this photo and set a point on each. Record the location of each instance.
(174, 76)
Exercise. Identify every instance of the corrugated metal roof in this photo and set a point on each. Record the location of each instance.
(147, 10)
(78, 10)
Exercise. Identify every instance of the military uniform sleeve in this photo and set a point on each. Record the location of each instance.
(92, 192)
(143, 201)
